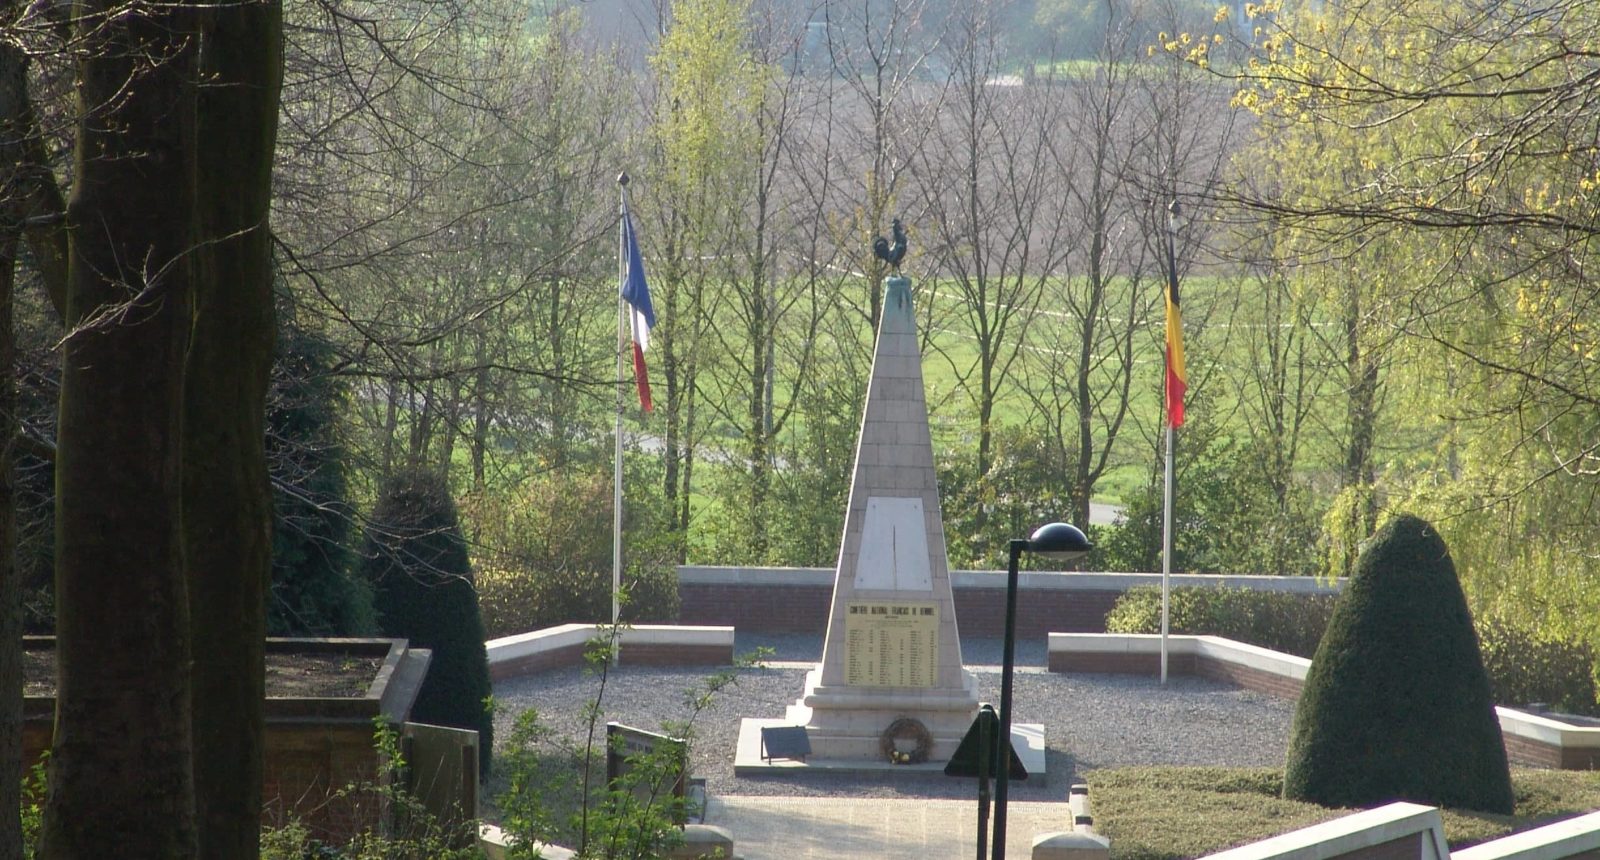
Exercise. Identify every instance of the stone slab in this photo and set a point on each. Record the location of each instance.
(814, 828)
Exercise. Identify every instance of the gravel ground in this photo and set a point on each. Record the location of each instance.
(1091, 721)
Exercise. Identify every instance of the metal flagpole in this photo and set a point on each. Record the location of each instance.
(1166, 555)
(1166, 503)
(622, 346)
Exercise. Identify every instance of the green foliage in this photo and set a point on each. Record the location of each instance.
(1226, 517)
(557, 792)
(1024, 489)
(543, 554)
(808, 499)
(314, 591)
(416, 561)
(32, 813)
(1396, 703)
(1291, 623)
(1527, 666)
(1149, 813)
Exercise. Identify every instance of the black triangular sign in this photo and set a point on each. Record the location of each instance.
(965, 760)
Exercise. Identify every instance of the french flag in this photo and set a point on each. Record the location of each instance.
(641, 316)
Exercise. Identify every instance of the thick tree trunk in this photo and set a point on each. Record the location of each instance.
(121, 782)
(10, 589)
(227, 514)
(14, 125)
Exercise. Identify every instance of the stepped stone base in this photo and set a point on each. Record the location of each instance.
(844, 722)
(1026, 738)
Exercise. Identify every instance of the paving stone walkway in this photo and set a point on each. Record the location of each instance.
(801, 828)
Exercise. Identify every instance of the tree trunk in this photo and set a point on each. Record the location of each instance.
(15, 125)
(10, 589)
(1361, 414)
(227, 499)
(121, 777)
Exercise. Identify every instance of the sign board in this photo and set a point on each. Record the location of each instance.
(785, 742)
(891, 644)
(984, 734)
(667, 759)
(442, 770)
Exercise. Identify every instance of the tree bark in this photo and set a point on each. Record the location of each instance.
(227, 498)
(10, 589)
(121, 781)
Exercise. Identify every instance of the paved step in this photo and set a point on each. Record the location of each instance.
(800, 828)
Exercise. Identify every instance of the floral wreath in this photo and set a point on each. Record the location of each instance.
(906, 729)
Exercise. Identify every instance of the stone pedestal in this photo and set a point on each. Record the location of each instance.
(845, 722)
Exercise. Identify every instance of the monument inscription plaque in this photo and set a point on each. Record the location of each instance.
(891, 644)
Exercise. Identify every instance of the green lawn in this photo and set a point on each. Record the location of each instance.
(1168, 813)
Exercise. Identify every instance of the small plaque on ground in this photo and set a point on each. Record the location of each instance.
(785, 742)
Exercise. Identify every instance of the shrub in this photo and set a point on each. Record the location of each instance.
(416, 561)
(1525, 666)
(1291, 623)
(543, 557)
(314, 588)
(1396, 704)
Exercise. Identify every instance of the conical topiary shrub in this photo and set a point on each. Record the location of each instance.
(1396, 705)
(422, 588)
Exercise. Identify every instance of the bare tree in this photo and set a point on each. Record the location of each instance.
(990, 190)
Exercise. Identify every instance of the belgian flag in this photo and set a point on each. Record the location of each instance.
(1177, 380)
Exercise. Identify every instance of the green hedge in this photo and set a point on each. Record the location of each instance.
(1291, 623)
(1396, 704)
(517, 600)
(1525, 667)
(415, 558)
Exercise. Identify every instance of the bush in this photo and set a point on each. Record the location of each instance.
(1396, 704)
(416, 561)
(1291, 623)
(315, 591)
(1526, 667)
(543, 557)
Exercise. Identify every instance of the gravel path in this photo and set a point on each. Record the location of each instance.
(1091, 721)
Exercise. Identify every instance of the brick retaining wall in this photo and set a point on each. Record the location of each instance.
(796, 599)
(804, 609)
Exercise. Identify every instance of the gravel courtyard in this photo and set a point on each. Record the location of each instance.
(1091, 721)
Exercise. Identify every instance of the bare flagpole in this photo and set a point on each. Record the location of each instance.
(622, 345)
(1166, 502)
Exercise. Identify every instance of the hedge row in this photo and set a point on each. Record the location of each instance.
(1291, 623)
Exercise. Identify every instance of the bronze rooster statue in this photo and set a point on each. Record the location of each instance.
(891, 254)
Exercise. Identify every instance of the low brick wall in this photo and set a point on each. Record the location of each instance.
(1530, 739)
(1544, 741)
(1213, 657)
(796, 599)
(643, 644)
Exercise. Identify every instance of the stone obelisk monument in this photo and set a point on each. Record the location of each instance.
(892, 656)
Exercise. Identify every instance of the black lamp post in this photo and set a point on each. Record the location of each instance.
(1055, 540)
